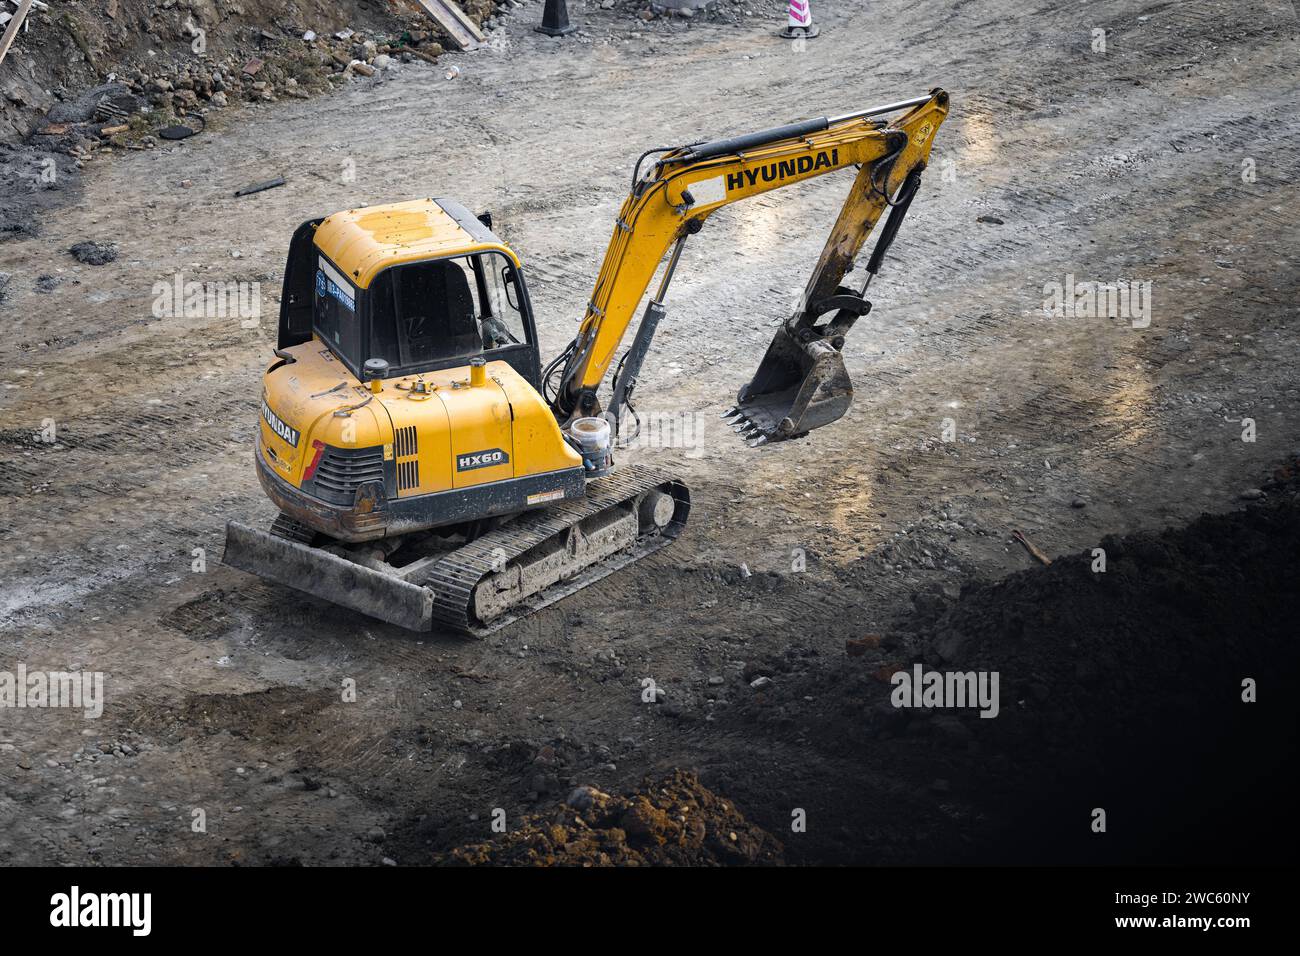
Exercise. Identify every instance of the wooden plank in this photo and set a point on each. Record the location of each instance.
(11, 31)
(463, 17)
(452, 18)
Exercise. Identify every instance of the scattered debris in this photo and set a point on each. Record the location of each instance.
(671, 821)
(11, 31)
(463, 31)
(990, 220)
(94, 253)
(260, 187)
(154, 81)
(177, 131)
(1029, 546)
(858, 646)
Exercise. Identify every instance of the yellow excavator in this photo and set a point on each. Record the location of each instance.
(431, 472)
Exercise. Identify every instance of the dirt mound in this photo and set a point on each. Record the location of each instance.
(70, 51)
(127, 74)
(674, 821)
(1174, 609)
(1124, 689)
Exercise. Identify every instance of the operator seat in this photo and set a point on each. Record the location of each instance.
(439, 311)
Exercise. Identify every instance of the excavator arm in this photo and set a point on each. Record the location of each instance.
(801, 383)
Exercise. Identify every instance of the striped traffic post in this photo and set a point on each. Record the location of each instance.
(800, 24)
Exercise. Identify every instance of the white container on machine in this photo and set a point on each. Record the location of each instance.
(592, 436)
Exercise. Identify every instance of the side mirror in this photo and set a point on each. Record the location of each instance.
(512, 290)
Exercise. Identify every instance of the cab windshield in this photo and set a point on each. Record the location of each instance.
(421, 316)
(444, 312)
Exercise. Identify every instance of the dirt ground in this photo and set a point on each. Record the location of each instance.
(1170, 158)
(71, 48)
(92, 77)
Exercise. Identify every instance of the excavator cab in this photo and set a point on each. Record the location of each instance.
(416, 316)
(405, 388)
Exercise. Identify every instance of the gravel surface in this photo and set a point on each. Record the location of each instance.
(1169, 159)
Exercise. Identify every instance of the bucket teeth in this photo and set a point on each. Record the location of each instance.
(801, 384)
(731, 412)
(750, 431)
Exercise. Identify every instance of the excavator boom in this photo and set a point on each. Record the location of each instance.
(801, 383)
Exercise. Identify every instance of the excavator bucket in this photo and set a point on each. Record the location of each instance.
(801, 383)
(799, 386)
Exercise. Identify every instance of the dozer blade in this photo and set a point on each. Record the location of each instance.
(798, 387)
(329, 577)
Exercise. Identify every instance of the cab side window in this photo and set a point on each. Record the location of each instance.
(334, 317)
(501, 322)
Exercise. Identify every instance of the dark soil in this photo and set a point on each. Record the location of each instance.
(1120, 690)
(94, 253)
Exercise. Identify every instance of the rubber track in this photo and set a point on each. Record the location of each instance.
(453, 579)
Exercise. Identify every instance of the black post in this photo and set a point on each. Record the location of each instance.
(555, 19)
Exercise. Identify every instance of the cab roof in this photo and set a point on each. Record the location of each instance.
(362, 242)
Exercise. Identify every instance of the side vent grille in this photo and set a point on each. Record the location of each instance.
(406, 446)
(405, 443)
(341, 472)
(408, 474)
